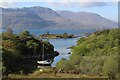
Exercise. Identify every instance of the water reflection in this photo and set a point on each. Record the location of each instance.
(61, 46)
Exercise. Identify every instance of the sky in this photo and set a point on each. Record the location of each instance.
(105, 8)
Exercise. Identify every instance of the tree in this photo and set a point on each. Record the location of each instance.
(25, 35)
(9, 30)
(47, 33)
(64, 65)
(22, 47)
(74, 59)
(65, 35)
(15, 50)
(32, 45)
(10, 57)
(8, 44)
(110, 67)
(95, 54)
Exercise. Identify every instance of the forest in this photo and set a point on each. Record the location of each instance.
(21, 51)
(95, 54)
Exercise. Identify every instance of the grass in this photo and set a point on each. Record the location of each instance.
(48, 73)
(51, 75)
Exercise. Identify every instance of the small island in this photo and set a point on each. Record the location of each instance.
(47, 35)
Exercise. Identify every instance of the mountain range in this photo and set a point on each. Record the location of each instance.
(46, 18)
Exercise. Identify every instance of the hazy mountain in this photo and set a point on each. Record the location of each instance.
(43, 12)
(46, 18)
(88, 19)
(51, 15)
(23, 18)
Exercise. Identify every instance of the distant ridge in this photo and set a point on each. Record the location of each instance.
(46, 18)
(88, 18)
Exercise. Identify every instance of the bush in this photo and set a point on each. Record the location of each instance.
(95, 54)
(110, 67)
(64, 65)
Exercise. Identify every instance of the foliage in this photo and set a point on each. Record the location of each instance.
(64, 65)
(110, 66)
(65, 35)
(9, 30)
(16, 47)
(25, 35)
(56, 36)
(96, 54)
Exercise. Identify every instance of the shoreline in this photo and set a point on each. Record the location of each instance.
(58, 38)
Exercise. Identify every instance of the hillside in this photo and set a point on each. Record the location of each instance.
(24, 50)
(46, 18)
(96, 54)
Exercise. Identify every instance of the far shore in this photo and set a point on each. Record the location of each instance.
(57, 36)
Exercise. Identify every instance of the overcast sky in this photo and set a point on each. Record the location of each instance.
(105, 8)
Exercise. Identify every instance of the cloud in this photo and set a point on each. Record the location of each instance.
(79, 4)
(92, 4)
(61, 3)
(7, 3)
(77, 0)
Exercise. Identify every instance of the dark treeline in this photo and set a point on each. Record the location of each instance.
(17, 49)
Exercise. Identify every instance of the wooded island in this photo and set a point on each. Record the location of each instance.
(47, 35)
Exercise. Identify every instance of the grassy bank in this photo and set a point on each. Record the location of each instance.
(50, 73)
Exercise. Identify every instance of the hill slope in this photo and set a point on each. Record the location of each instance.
(96, 54)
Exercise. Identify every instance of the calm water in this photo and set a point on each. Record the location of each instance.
(59, 44)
